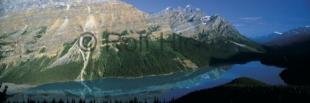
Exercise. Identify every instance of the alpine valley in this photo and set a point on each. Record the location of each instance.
(41, 42)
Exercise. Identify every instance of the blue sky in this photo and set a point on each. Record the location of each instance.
(252, 18)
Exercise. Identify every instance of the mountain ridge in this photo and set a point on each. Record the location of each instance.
(180, 39)
(286, 34)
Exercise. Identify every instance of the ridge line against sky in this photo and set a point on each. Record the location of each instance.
(253, 18)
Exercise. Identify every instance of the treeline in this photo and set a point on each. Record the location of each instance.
(79, 100)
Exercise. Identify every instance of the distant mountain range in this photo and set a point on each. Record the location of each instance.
(290, 50)
(301, 34)
(267, 38)
(291, 36)
(65, 41)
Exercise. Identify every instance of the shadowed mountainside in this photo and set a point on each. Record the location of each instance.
(248, 90)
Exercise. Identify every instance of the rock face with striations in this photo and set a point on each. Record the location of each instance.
(60, 24)
(43, 38)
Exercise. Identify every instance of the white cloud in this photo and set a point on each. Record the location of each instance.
(307, 26)
(251, 18)
(276, 32)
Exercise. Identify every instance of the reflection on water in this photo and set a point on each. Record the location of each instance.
(258, 71)
(164, 86)
(119, 86)
(254, 70)
(125, 88)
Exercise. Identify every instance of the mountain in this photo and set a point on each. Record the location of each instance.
(268, 37)
(57, 41)
(290, 51)
(300, 33)
(297, 35)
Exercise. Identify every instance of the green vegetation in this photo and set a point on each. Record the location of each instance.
(1, 55)
(153, 28)
(24, 32)
(125, 32)
(29, 51)
(133, 60)
(198, 52)
(129, 58)
(42, 30)
(3, 35)
(141, 32)
(105, 35)
(42, 50)
(66, 47)
(149, 57)
(35, 72)
(38, 36)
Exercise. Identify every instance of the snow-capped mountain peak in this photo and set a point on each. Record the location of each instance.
(168, 8)
(188, 6)
(205, 19)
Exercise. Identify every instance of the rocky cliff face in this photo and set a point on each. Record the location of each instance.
(63, 23)
(43, 38)
(192, 23)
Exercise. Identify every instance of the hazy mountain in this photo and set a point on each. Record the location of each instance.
(268, 37)
(297, 33)
(41, 44)
(291, 51)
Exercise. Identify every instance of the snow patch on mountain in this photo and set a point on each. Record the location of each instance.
(205, 19)
(188, 6)
(168, 8)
